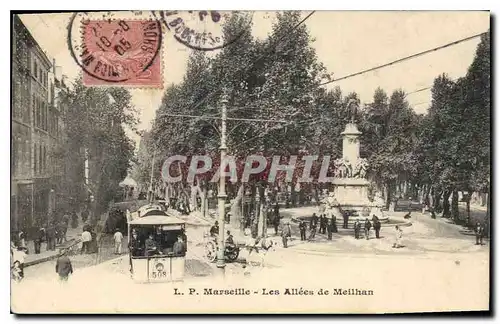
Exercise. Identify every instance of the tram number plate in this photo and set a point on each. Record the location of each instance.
(158, 274)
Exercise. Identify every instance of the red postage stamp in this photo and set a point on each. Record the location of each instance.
(121, 52)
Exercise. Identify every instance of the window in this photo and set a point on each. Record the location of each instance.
(37, 112)
(14, 156)
(27, 156)
(20, 158)
(44, 114)
(44, 159)
(47, 115)
(34, 109)
(25, 100)
(40, 161)
(35, 69)
(17, 97)
(35, 159)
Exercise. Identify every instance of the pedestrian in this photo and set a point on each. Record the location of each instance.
(399, 236)
(286, 232)
(229, 239)
(51, 237)
(18, 258)
(313, 227)
(214, 230)
(334, 224)
(179, 246)
(63, 266)
(64, 228)
(59, 232)
(357, 228)
(302, 229)
(276, 223)
(66, 219)
(314, 221)
(22, 239)
(118, 238)
(39, 238)
(376, 226)
(86, 239)
(74, 220)
(345, 216)
(479, 231)
(17, 273)
(368, 226)
(323, 224)
(330, 229)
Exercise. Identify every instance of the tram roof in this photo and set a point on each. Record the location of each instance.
(156, 220)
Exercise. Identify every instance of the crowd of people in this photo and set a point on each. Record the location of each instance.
(51, 230)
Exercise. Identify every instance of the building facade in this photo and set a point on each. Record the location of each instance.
(37, 132)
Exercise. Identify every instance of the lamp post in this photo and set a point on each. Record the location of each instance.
(222, 189)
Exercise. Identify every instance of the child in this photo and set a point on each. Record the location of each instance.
(17, 273)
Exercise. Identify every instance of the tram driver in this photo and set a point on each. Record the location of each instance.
(150, 246)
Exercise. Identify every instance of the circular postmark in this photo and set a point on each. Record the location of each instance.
(112, 49)
(204, 30)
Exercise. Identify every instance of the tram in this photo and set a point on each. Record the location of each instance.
(157, 245)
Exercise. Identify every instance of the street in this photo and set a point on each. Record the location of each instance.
(437, 262)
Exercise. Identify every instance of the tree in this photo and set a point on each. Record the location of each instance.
(454, 150)
(95, 122)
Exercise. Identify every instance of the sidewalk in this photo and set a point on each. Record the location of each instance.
(72, 236)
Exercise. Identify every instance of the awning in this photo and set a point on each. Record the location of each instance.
(128, 182)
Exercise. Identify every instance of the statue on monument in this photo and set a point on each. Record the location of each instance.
(360, 169)
(353, 106)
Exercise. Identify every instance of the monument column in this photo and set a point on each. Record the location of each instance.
(350, 145)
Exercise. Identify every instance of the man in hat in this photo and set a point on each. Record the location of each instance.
(63, 266)
(214, 230)
(376, 226)
(118, 238)
(286, 233)
(368, 226)
(345, 216)
(479, 231)
(357, 228)
(303, 228)
(179, 246)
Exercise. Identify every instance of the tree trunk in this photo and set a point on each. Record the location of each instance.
(194, 193)
(316, 194)
(437, 200)
(426, 196)
(454, 206)
(204, 200)
(293, 196)
(467, 222)
(388, 194)
(262, 211)
(446, 204)
(236, 215)
(254, 210)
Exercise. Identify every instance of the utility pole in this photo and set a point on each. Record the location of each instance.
(222, 189)
(151, 179)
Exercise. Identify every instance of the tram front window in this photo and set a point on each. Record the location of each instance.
(149, 241)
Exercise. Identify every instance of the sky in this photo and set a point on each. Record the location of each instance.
(346, 42)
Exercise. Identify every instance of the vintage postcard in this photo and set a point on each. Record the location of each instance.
(239, 162)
